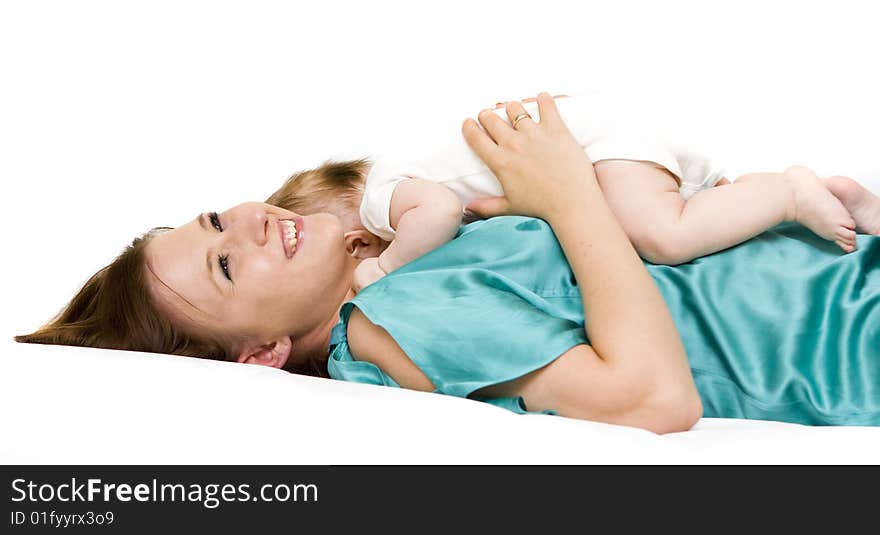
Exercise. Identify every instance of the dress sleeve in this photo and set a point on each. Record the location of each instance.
(497, 302)
(479, 332)
(342, 366)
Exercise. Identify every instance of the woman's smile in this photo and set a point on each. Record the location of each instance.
(291, 231)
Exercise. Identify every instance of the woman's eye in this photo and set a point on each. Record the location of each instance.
(222, 260)
(224, 265)
(215, 221)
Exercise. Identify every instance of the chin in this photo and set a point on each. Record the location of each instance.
(324, 232)
(328, 225)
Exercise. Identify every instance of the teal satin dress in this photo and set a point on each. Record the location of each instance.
(783, 327)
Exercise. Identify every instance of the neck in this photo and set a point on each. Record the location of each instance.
(312, 346)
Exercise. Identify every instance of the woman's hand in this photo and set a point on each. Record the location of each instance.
(541, 167)
(634, 347)
(499, 105)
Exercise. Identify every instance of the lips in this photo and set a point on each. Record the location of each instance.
(285, 244)
(298, 221)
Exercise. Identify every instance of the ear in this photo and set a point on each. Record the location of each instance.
(361, 243)
(274, 354)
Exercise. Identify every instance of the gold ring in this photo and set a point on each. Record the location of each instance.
(519, 118)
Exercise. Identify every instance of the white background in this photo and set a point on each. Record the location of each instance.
(119, 116)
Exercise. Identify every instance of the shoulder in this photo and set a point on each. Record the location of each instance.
(371, 343)
(515, 229)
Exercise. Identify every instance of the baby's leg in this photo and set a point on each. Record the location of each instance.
(666, 229)
(861, 203)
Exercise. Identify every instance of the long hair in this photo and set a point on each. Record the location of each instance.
(116, 310)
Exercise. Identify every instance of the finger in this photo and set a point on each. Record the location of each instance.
(548, 110)
(499, 105)
(514, 110)
(480, 142)
(486, 207)
(497, 128)
(533, 99)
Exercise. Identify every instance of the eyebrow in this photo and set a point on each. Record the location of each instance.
(210, 265)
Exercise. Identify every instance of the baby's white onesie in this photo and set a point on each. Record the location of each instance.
(604, 130)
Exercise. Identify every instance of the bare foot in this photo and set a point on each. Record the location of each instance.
(861, 203)
(818, 209)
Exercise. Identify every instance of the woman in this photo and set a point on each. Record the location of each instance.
(567, 321)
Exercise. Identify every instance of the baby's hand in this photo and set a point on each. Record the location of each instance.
(366, 273)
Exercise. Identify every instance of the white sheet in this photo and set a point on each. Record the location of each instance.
(83, 406)
(107, 131)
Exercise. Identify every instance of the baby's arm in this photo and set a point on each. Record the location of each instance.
(425, 215)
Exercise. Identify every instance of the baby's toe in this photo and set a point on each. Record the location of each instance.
(846, 234)
(847, 247)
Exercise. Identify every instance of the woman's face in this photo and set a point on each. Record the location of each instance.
(231, 275)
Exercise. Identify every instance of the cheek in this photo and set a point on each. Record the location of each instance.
(261, 277)
(263, 267)
(237, 318)
(259, 285)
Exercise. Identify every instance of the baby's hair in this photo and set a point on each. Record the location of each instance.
(322, 188)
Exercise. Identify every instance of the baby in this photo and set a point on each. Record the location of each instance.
(663, 196)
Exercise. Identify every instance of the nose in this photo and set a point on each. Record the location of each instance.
(261, 228)
(255, 226)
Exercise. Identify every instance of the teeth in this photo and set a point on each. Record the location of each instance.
(290, 233)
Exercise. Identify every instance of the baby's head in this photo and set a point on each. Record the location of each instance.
(336, 187)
